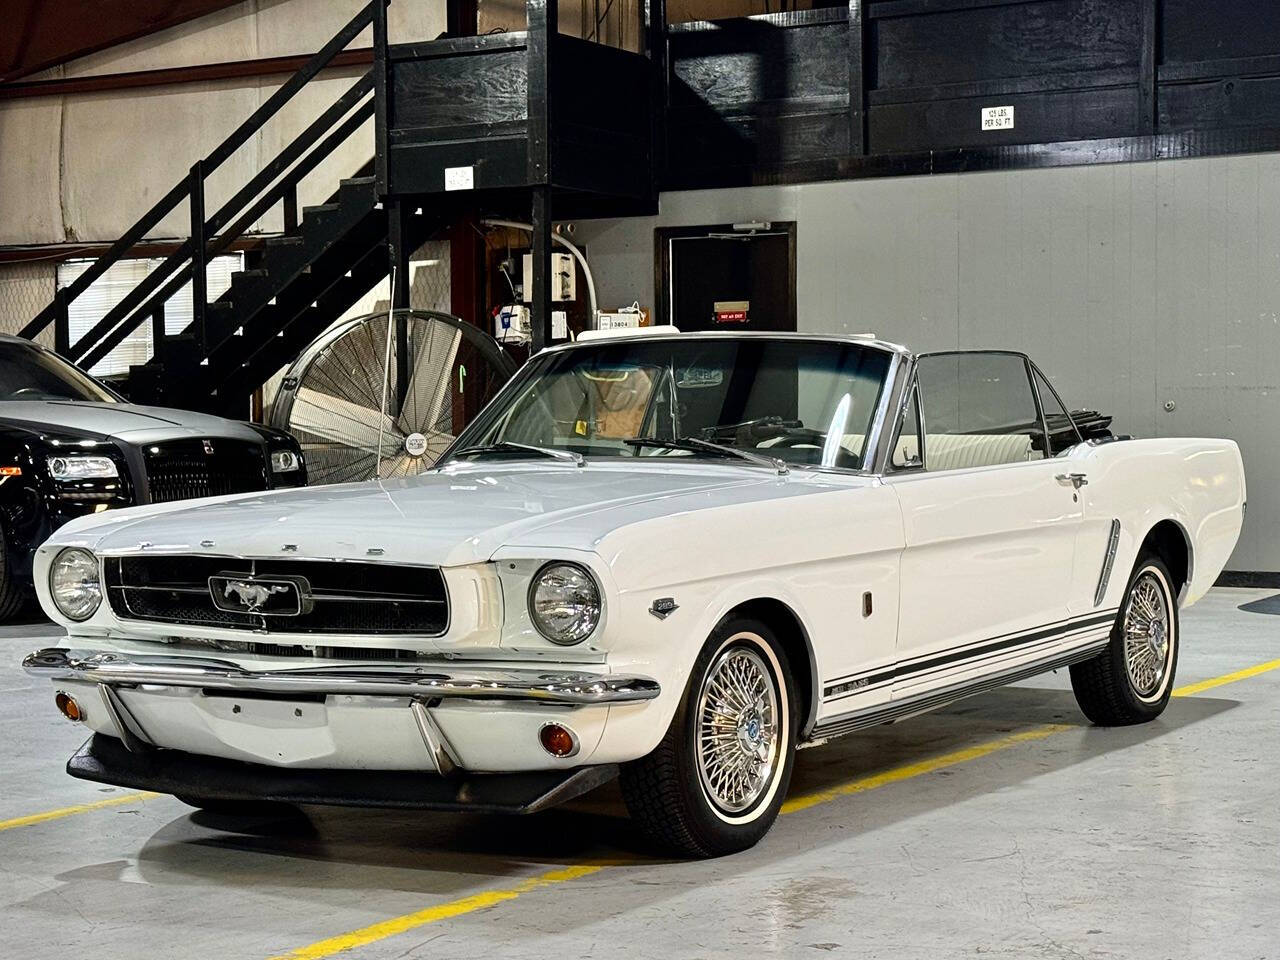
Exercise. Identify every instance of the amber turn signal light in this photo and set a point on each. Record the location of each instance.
(557, 740)
(68, 707)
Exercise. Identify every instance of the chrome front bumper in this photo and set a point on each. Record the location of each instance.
(391, 680)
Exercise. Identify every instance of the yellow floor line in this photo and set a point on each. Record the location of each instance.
(322, 949)
(61, 812)
(898, 774)
(445, 911)
(1245, 674)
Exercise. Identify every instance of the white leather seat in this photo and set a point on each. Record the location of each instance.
(956, 451)
(953, 451)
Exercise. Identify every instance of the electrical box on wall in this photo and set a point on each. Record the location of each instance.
(564, 278)
(512, 324)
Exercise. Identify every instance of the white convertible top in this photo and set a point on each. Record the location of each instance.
(671, 333)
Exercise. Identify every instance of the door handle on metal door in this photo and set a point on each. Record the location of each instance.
(1077, 480)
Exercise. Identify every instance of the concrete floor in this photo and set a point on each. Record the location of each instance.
(1150, 842)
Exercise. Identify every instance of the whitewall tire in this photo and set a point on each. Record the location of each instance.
(715, 783)
(1132, 679)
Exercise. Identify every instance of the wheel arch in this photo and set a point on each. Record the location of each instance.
(1168, 540)
(791, 632)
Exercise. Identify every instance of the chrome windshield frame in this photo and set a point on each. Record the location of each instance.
(873, 448)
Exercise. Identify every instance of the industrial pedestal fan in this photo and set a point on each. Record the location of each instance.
(362, 407)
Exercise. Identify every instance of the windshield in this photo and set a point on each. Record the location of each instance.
(29, 373)
(804, 402)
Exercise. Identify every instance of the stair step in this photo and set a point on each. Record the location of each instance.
(361, 190)
(319, 208)
(252, 274)
(283, 241)
(220, 306)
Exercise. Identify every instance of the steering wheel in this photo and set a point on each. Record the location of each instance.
(760, 428)
(808, 437)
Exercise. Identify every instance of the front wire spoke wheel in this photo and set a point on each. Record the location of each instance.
(738, 735)
(715, 782)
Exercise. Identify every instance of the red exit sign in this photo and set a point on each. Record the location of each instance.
(731, 311)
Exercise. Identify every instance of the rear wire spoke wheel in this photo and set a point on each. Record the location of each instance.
(715, 783)
(1131, 680)
(441, 371)
(1146, 635)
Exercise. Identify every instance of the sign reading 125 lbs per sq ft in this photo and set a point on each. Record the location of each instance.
(997, 118)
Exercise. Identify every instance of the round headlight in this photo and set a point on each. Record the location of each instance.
(74, 583)
(285, 461)
(564, 603)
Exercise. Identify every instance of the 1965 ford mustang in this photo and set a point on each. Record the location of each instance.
(670, 557)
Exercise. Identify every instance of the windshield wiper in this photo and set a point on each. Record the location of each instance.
(509, 446)
(695, 444)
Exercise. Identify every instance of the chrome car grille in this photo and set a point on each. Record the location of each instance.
(292, 650)
(187, 469)
(340, 597)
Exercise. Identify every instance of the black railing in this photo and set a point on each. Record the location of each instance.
(276, 183)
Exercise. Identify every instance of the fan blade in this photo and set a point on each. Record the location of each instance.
(432, 373)
(333, 418)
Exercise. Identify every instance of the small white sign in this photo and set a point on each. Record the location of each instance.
(559, 325)
(997, 118)
(464, 178)
(415, 444)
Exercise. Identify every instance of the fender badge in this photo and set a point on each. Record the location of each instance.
(664, 607)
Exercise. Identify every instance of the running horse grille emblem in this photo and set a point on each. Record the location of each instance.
(278, 596)
(208, 448)
(252, 596)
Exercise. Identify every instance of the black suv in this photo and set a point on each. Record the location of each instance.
(70, 446)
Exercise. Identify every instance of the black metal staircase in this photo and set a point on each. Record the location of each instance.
(295, 285)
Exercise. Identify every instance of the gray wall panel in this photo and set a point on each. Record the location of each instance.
(1130, 285)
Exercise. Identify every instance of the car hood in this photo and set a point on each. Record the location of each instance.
(460, 515)
(119, 421)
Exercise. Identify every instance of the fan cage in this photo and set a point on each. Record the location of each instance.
(439, 372)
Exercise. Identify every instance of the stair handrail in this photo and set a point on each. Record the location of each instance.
(215, 336)
(115, 325)
(192, 187)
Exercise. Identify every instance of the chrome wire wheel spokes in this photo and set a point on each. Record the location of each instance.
(738, 733)
(1148, 637)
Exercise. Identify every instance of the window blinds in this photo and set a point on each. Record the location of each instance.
(108, 290)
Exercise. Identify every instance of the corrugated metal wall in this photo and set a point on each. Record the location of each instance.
(1132, 285)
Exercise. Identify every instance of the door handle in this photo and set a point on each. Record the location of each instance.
(1076, 480)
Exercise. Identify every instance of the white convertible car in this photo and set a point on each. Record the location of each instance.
(673, 558)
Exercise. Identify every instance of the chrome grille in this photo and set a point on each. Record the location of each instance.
(345, 597)
(293, 650)
(188, 469)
